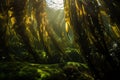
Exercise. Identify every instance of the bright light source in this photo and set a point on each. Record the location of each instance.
(56, 4)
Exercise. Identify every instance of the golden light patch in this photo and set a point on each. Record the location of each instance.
(28, 20)
(76, 5)
(81, 12)
(66, 27)
(46, 33)
(116, 30)
(13, 20)
(83, 9)
(103, 12)
(10, 13)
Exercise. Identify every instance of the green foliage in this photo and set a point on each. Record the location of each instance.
(25, 71)
(88, 37)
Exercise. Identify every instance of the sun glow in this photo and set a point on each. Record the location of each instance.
(56, 4)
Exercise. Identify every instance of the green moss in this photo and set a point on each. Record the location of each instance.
(30, 71)
(43, 74)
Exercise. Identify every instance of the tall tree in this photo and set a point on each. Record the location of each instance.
(4, 30)
(86, 18)
(19, 13)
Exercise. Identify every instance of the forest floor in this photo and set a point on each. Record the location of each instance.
(31, 71)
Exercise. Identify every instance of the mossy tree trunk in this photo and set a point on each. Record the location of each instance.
(20, 27)
(87, 22)
(4, 31)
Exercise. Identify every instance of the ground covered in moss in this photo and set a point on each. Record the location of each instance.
(30, 71)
